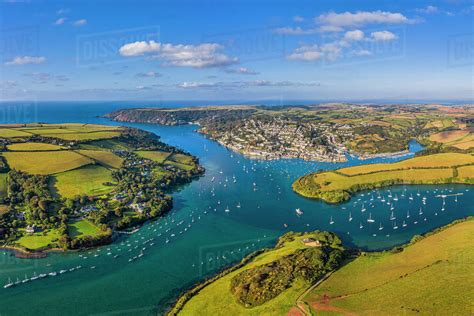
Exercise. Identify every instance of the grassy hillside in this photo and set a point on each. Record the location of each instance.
(88, 180)
(30, 146)
(336, 186)
(430, 277)
(105, 158)
(216, 297)
(45, 162)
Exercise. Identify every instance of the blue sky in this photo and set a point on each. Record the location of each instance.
(236, 50)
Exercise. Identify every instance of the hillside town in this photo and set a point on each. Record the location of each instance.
(278, 138)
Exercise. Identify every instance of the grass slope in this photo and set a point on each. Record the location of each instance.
(156, 156)
(216, 298)
(9, 133)
(105, 158)
(430, 277)
(336, 186)
(39, 240)
(45, 162)
(88, 180)
(30, 146)
(83, 228)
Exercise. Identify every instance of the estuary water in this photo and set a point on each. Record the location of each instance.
(237, 207)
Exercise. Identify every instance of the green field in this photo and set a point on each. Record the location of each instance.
(83, 228)
(88, 180)
(45, 162)
(336, 186)
(33, 147)
(216, 298)
(181, 161)
(156, 156)
(87, 136)
(105, 158)
(3, 185)
(430, 277)
(9, 133)
(39, 240)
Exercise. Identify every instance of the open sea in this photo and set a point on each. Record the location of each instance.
(214, 223)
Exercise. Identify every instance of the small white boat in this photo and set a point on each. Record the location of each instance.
(361, 226)
(8, 284)
(227, 210)
(299, 212)
(370, 219)
(331, 221)
(404, 224)
(350, 217)
(380, 227)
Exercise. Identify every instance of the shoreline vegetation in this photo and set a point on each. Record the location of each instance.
(339, 185)
(76, 186)
(206, 302)
(323, 132)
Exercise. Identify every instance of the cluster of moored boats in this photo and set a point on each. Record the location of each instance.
(36, 277)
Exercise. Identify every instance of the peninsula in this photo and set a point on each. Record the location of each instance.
(324, 132)
(72, 186)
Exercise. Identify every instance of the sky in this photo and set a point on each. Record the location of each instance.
(237, 50)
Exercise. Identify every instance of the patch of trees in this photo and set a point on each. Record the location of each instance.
(260, 284)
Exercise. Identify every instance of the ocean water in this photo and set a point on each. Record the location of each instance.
(239, 206)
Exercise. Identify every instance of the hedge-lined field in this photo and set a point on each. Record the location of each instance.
(89, 180)
(45, 162)
(430, 276)
(30, 146)
(106, 158)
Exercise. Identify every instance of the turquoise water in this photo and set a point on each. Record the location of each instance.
(199, 237)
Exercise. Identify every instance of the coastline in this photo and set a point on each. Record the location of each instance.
(188, 294)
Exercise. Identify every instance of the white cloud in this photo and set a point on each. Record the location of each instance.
(362, 52)
(360, 18)
(428, 10)
(60, 21)
(149, 74)
(355, 35)
(329, 52)
(243, 84)
(24, 60)
(383, 36)
(294, 30)
(242, 71)
(298, 19)
(306, 53)
(80, 22)
(197, 56)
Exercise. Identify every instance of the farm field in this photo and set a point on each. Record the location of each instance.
(462, 139)
(88, 180)
(30, 146)
(156, 156)
(428, 276)
(83, 228)
(444, 160)
(105, 158)
(86, 136)
(39, 240)
(181, 161)
(10, 133)
(216, 297)
(336, 186)
(45, 162)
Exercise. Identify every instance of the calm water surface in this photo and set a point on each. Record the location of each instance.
(239, 206)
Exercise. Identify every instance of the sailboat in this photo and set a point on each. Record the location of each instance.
(380, 227)
(395, 198)
(391, 207)
(331, 221)
(411, 197)
(404, 224)
(299, 212)
(392, 216)
(421, 212)
(361, 226)
(363, 209)
(350, 216)
(370, 219)
(227, 209)
(8, 284)
(238, 205)
(395, 225)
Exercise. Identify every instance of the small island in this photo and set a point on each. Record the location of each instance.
(75, 186)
